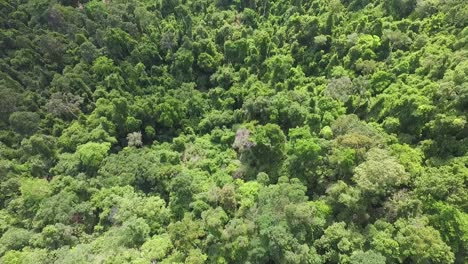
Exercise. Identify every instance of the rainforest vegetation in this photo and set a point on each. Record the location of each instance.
(233, 131)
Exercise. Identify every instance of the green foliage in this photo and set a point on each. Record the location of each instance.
(27, 255)
(338, 242)
(411, 232)
(14, 239)
(33, 191)
(379, 174)
(233, 131)
(157, 247)
(25, 123)
(92, 154)
(368, 257)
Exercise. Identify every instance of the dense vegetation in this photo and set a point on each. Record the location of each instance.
(196, 131)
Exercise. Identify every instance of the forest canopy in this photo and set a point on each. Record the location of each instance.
(196, 131)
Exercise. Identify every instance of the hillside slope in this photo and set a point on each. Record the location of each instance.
(226, 131)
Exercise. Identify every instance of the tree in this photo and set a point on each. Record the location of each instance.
(285, 221)
(24, 123)
(141, 168)
(368, 257)
(64, 105)
(340, 88)
(170, 112)
(55, 236)
(9, 100)
(27, 255)
(400, 8)
(303, 155)
(183, 64)
(279, 67)
(452, 224)
(421, 243)
(103, 66)
(264, 150)
(91, 155)
(157, 247)
(134, 139)
(339, 242)
(118, 204)
(343, 161)
(60, 208)
(181, 194)
(33, 192)
(134, 232)
(118, 42)
(40, 152)
(380, 174)
(445, 183)
(89, 51)
(14, 239)
(187, 233)
(347, 202)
